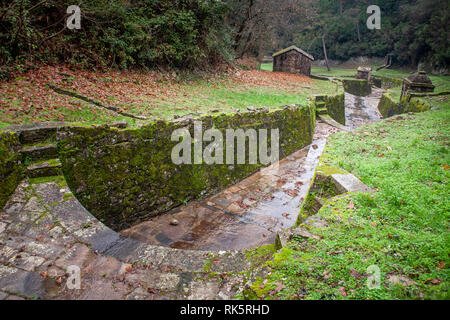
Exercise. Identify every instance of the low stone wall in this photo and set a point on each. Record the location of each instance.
(357, 87)
(336, 107)
(390, 105)
(11, 164)
(127, 176)
(385, 82)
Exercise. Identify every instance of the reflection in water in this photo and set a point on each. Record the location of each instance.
(249, 214)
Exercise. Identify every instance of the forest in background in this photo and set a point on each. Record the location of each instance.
(191, 34)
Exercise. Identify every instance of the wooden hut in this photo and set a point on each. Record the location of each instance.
(293, 60)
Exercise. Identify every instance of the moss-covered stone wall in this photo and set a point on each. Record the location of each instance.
(126, 176)
(391, 105)
(336, 107)
(385, 82)
(11, 168)
(357, 87)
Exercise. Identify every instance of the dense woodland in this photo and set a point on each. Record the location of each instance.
(197, 33)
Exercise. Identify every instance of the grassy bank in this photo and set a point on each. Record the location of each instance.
(402, 228)
(28, 98)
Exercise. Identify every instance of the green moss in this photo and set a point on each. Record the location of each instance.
(57, 179)
(386, 82)
(329, 170)
(391, 104)
(122, 175)
(357, 87)
(11, 166)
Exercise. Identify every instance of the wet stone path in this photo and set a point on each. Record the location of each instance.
(249, 213)
(362, 110)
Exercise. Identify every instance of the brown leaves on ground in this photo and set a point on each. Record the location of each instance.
(271, 79)
(27, 96)
(291, 192)
(351, 204)
(342, 291)
(354, 273)
(433, 281)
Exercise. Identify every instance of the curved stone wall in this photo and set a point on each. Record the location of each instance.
(126, 176)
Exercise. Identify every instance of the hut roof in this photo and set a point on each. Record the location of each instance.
(296, 49)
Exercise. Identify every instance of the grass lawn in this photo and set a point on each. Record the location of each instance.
(27, 98)
(402, 228)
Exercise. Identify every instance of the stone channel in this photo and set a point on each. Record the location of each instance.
(44, 230)
(250, 213)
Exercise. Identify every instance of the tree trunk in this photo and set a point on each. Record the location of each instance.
(341, 9)
(325, 52)
(357, 31)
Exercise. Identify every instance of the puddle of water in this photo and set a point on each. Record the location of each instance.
(249, 213)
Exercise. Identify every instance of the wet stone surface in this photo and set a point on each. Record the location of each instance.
(247, 214)
(362, 110)
(45, 231)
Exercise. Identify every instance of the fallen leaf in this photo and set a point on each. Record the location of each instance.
(355, 274)
(351, 205)
(342, 291)
(441, 265)
(436, 281)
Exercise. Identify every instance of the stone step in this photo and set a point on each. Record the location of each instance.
(40, 152)
(320, 104)
(45, 168)
(321, 111)
(320, 98)
(38, 132)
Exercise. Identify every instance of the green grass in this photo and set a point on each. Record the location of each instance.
(266, 66)
(203, 96)
(402, 228)
(154, 96)
(442, 83)
(335, 72)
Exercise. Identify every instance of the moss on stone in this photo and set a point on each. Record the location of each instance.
(386, 82)
(125, 176)
(390, 104)
(11, 164)
(357, 87)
